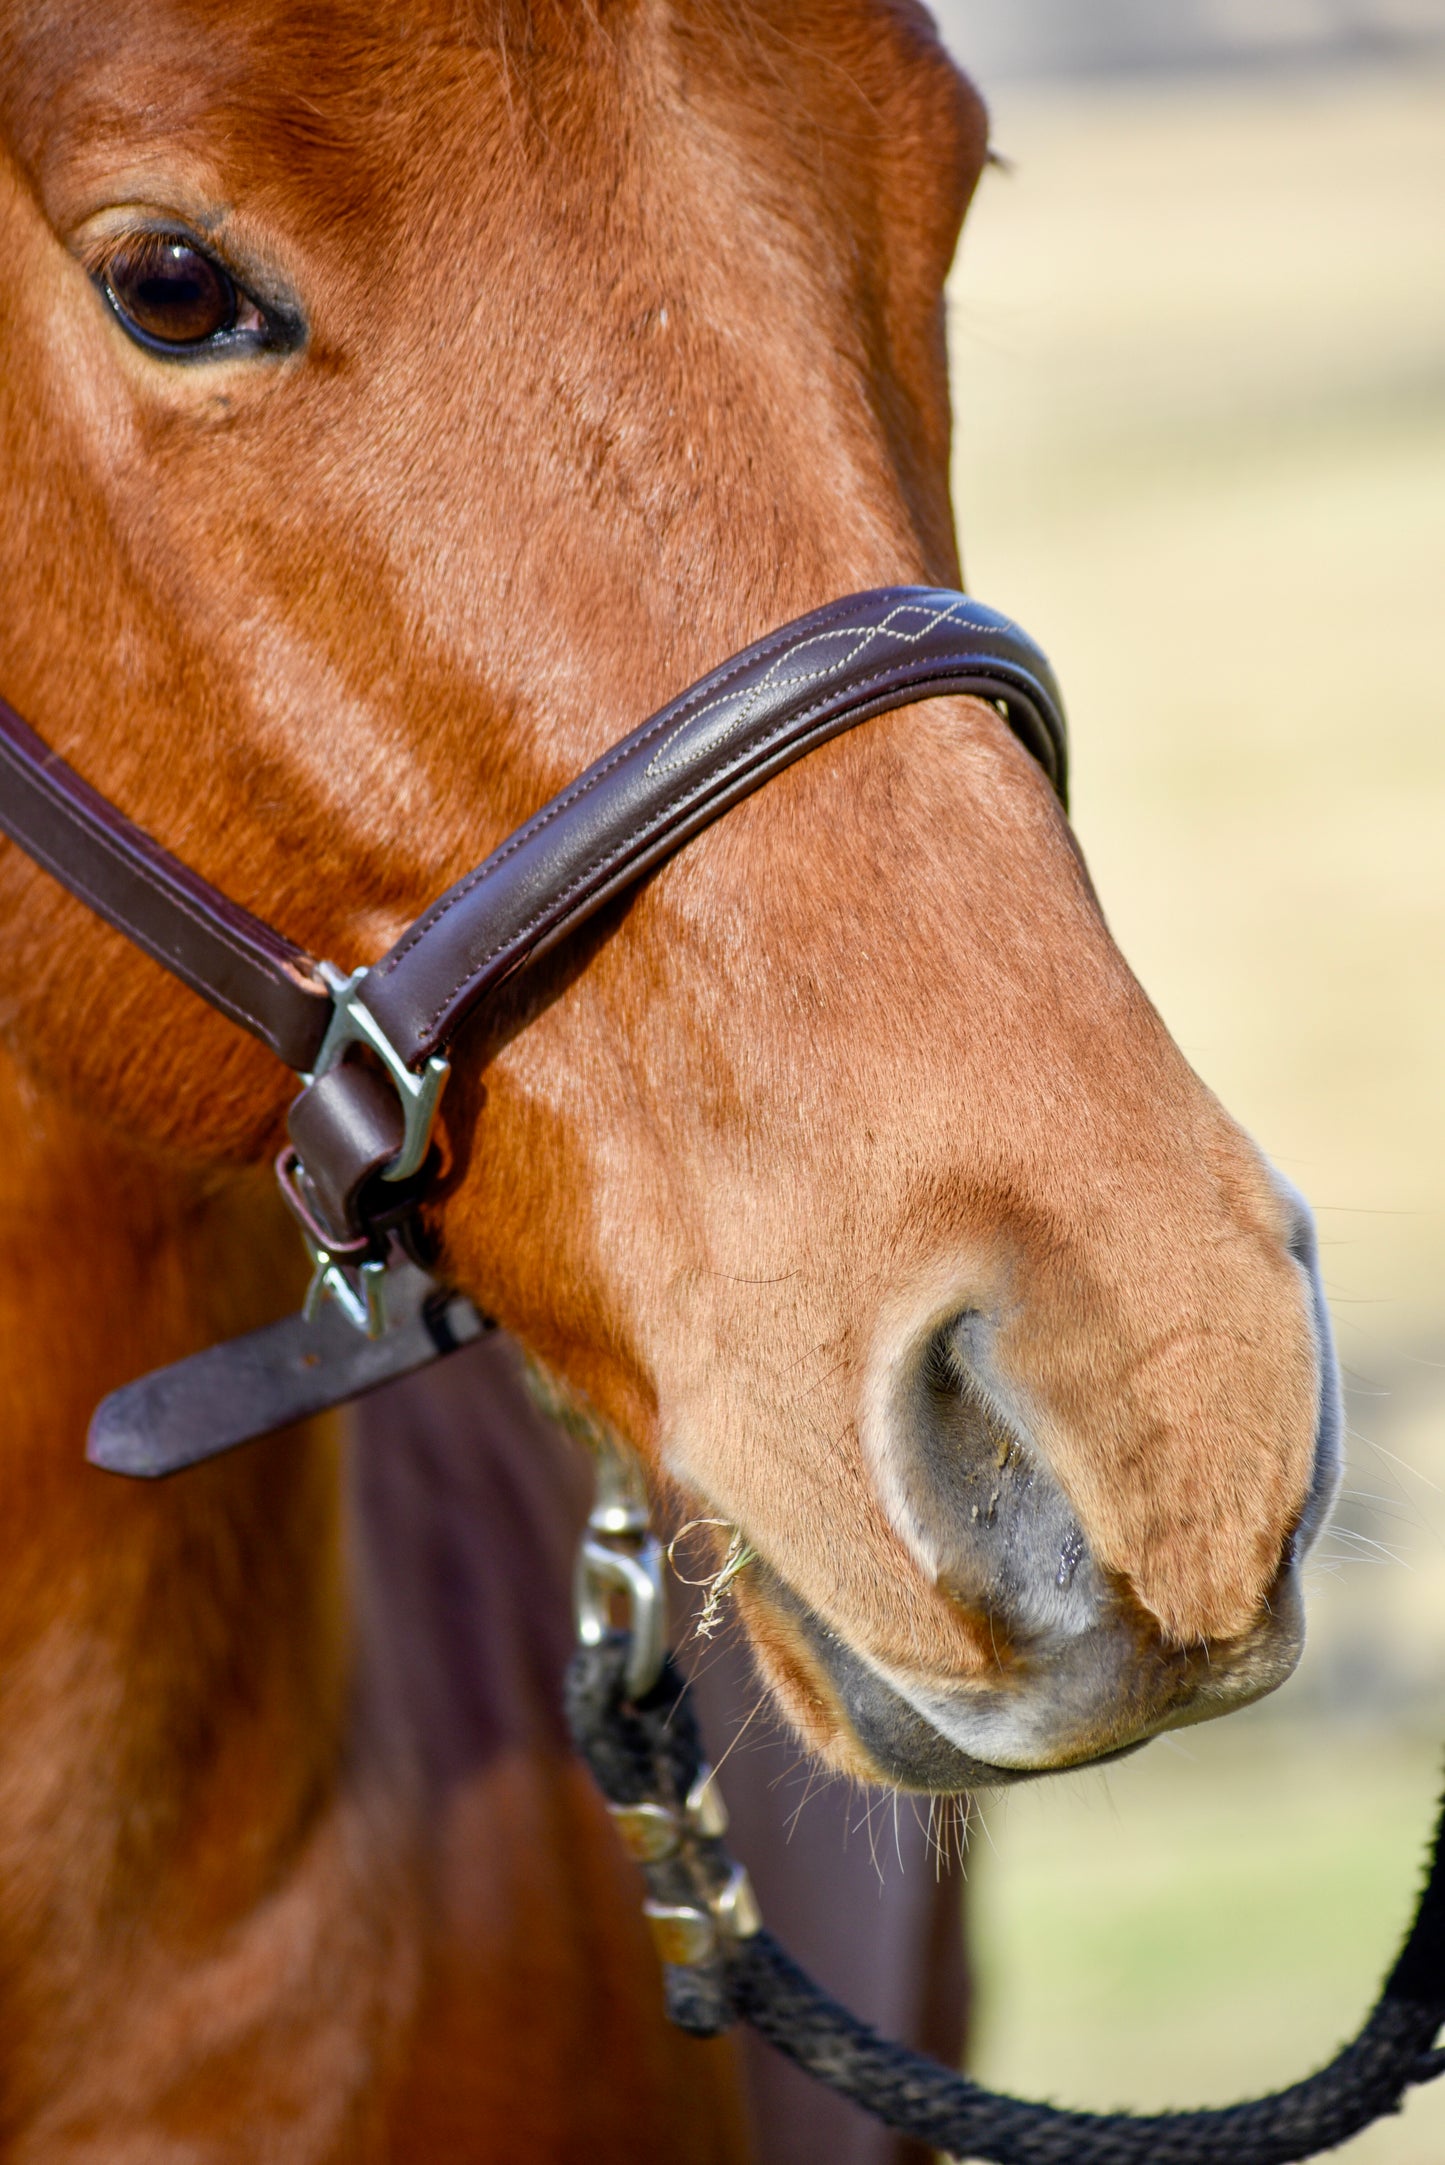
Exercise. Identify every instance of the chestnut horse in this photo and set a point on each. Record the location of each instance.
(396, 405)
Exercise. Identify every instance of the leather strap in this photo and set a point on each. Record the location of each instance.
(269, 1379)
(724, 737)
(249, 971)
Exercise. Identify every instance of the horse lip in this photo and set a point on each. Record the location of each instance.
(938, 1735)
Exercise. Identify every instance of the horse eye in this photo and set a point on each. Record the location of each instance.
(168, 293)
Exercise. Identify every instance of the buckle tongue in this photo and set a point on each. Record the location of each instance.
(358, 1290)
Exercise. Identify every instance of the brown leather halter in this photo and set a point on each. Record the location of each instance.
(371, 1048)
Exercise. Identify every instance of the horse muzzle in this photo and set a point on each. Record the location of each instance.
(1046, 1703)
(1074, 1668)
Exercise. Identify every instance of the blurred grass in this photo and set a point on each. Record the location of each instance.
(1198, 336)
(1192, 1929)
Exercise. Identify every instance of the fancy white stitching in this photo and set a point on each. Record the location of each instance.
(774, 683)
(582, 787)
(557, 906)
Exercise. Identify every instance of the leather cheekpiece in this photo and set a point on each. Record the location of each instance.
(244, 967)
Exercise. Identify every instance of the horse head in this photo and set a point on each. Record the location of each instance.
(397, 407)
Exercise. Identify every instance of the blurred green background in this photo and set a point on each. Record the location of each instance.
(1198, 336)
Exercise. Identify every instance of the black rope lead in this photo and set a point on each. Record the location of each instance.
(919, 2097)
(651, 1752)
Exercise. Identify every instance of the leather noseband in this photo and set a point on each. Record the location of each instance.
(360, 1131)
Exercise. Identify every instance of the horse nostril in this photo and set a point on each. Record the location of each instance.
(981, 1506)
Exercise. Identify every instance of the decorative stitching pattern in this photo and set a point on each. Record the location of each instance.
(860, 637)
(706, 784)
(827, 623)
(580, 788)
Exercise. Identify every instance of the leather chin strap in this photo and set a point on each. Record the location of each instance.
(371, 1048)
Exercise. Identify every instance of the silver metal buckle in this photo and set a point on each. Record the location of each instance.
(356, 1284)
(352, 1023)
(622, 1558)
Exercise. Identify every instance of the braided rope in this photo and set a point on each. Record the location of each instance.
(919, 2097)
(653, 1749)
